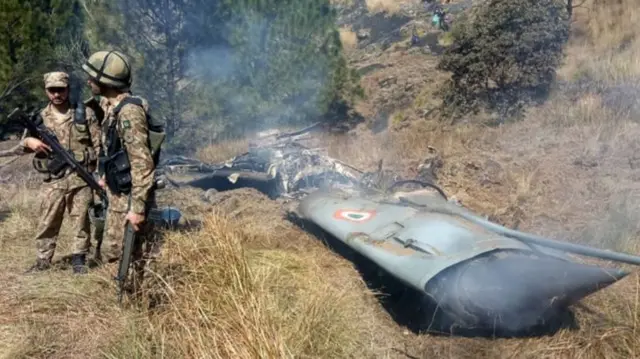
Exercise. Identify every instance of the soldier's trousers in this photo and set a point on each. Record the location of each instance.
(75, 201)
(146, 248)
(147, 244)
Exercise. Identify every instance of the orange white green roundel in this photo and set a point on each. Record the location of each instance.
(354, 215)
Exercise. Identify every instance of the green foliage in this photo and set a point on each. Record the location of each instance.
(283, 63)
(208, 68)
(36, 36)
(504, 55)
(225, 67)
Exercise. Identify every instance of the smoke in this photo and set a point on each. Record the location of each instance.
(272, 74)
(211, 63)
(619, 225)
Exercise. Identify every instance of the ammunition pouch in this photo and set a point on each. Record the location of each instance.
(117, 170)
(97, 216)
(51, 164)
(84, 153)
(115, 165)
(81, 156)
(81, 133)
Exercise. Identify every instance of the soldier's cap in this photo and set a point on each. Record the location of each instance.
(56, 79)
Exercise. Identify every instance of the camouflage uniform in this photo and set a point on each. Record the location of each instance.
(127, 123)
(132, 128)
(69, 192)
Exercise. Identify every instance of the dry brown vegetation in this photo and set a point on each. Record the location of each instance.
(222, 151)
(239, 287)
(389, 6)
(250, 285)
(348, 38)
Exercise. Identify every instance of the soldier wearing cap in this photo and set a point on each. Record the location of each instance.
(78, 131)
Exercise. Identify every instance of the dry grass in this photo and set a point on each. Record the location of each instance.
(388, 6)
(228, 301)
(348, 38)
(222, 151)
(226, 295)
(53, 315)
(605, 46)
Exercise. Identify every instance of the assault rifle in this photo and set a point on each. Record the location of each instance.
(125, 259)
(50, 139)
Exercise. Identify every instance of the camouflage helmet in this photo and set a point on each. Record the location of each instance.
(109, 68)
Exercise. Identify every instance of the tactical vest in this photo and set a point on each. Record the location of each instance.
(79, 145)
(115, 162)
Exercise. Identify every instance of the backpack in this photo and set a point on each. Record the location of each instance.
(115, 163)
(156, 135)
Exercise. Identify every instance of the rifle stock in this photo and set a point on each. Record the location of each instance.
(125, 259)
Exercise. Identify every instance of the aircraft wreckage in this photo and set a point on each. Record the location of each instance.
(484, 277)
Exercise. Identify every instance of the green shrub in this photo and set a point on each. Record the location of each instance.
(504, 54)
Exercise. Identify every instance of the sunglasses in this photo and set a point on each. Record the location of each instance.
(56, 89)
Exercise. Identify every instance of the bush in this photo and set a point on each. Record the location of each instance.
(503, 55)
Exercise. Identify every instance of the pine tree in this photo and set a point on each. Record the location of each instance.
(231, 66)
(280, 62)
(35, 36)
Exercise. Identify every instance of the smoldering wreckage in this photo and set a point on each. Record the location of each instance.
(462, 273)
(479, 277)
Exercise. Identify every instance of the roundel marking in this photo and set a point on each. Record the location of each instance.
(353, 215)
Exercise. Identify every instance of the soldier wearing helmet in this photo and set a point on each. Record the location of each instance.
(129, 155)
(77, 130)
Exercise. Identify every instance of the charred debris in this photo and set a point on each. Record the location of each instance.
(444, 269)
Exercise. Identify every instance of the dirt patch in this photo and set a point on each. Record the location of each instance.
(17, 169)
(348, 38)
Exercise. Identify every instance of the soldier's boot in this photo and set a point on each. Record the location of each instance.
(78, 262)
(39, 266)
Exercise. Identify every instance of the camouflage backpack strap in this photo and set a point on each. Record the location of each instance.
(156, 129)
(127, 100)
(116, 142)
(94, 104)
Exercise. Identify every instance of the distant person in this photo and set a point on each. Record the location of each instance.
(131, 146)
(439, 19)
(63, 190)
(415, 39)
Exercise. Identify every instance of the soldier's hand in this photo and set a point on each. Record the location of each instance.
(36, 145)
(135, 219)
(101, 182)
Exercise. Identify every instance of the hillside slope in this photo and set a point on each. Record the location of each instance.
(242, 282)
